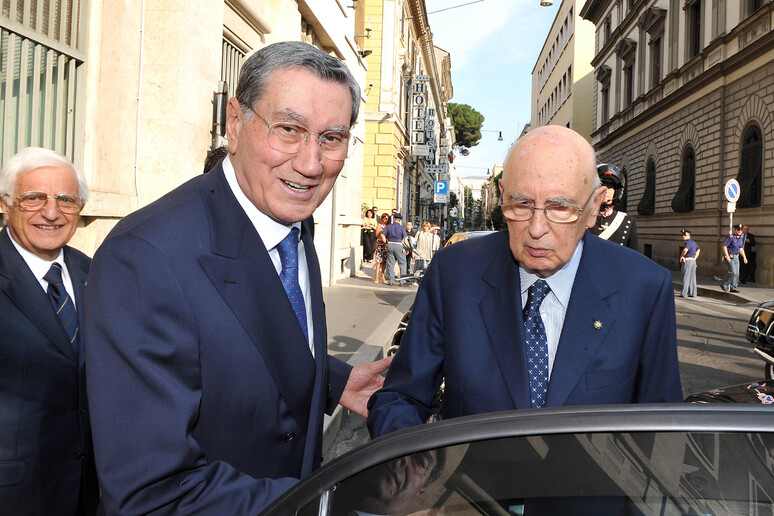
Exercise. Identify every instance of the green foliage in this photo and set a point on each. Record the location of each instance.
(467, 125)
(452, 200)
(498, 221)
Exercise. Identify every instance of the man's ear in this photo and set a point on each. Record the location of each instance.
(596, 201)
(235, 120)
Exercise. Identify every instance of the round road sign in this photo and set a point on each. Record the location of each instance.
(732, 190)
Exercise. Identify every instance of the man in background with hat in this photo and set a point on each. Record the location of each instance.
(393, 236)
(688, 258)
(732, 248)
(612, 224)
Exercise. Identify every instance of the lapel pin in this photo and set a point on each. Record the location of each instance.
(597, 325)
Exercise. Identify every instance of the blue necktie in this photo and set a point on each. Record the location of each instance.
(537, 345)
(63, 304)
(288, 252)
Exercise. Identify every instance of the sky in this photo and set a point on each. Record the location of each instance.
(493, 45)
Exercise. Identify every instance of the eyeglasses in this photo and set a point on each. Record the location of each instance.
(35, 201)
(286, 137)
(522, 211)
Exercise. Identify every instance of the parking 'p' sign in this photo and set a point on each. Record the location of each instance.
(732, 190)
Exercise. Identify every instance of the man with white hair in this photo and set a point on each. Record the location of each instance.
(543, 315)
(46, 460)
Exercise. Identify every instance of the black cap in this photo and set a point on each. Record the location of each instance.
(685, 231)
(397, 216)
(738, 226)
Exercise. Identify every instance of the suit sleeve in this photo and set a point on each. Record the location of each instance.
(338, 374)
(408, 397)
(659, 374)
(144, 388)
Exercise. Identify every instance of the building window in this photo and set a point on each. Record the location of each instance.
(694, 29)
(41, 76)
(628, 85)
(232, 59)
(750, 168)
(647, 205)
(683, 201)
(608, 29)
(655, 62)
(603, 107)
(751, 6)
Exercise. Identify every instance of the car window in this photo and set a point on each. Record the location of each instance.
(578, 473)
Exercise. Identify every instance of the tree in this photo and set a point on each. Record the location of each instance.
(467, 126)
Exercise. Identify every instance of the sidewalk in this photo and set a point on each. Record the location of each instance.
(361, 317)
(709, 287)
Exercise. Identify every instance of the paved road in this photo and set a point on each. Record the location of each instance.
(712, 347)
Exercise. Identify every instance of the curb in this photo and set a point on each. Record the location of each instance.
(710, 292)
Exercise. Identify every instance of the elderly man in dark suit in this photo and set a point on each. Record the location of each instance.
(545, 314)
(204, 311)
(46, 461)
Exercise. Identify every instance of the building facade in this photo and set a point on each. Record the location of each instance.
(684, 99)
(563, 80)
(407, 133)
(134, 93)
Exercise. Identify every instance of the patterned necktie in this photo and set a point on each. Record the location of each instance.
(537, 345)
(288, 252)
(63, 304)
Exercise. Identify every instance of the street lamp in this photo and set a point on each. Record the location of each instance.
(499, 137)
(546, 3)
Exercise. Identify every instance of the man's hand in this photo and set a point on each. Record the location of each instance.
(364, 380)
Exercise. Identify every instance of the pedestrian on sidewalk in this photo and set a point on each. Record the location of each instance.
(369, 235)
(732, 248)
(747, 270)
(427, 244)
(393, 236)
(381, 251)
(409, 244)
(688, 258)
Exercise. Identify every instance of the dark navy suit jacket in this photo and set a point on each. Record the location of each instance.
(205, 396)
(46, 460)
(618, 342)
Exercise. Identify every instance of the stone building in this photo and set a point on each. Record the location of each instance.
(684, 98)
(563, 78)
(133, 92)
(407, 133)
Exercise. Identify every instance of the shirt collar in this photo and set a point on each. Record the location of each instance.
(560, 282)
(270, 231)
(38, 265)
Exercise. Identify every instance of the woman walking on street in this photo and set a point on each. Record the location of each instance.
(369, 235)
(427, 244)
(380, 248)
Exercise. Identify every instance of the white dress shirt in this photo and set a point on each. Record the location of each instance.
(554, 306)
(272, 233)
(40, 268)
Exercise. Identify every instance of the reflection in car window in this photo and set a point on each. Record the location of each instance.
(586, 473)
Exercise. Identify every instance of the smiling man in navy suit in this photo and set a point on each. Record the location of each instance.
(598, 323)
(46, 461)
(205, 321)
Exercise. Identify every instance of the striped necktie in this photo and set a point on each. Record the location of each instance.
(63, 304)
(288, 252)
(537, 344)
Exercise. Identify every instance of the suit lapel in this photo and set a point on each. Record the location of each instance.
(244, 275)
(78, 277)
(501, 313)
(24, 290)
(587, 322)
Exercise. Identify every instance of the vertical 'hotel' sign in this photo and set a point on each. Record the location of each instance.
(419, 115)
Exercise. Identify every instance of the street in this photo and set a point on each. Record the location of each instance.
(712, 347)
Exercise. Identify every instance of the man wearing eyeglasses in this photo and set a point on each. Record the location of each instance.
(545, 314)
(205, 319)
(46, 460)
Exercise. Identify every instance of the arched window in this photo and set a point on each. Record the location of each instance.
(623, 201)
(683, 200)
(750, 168)
(647, 205)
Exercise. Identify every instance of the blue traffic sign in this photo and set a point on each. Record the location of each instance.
(732, 190)
(442, 187)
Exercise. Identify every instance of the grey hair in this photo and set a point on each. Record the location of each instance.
(287, 55)
(31, 158)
